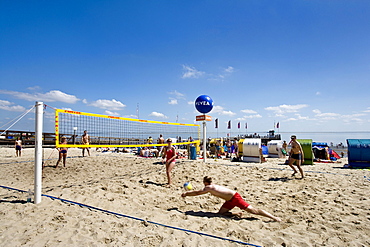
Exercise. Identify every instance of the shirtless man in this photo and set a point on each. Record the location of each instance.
(296, 154)
(160, 140)
(231, 197)
(85, 141)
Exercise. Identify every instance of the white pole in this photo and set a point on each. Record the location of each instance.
(38, 151)
(204, 141)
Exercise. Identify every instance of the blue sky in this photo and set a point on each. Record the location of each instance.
(304, 64)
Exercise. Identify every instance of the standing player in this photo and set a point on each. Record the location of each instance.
(85, 141)
(169, 153)
(62, 152)
(296, 155)
(18, 147)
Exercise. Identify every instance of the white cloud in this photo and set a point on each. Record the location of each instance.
(49, 115)
(66, 108)
(57, 95)
(299, 117)
(177, 95)
(291, 119)
(191, 72)
(220, 110)
(220, 77)
(247, 111)
(282, 109)
(158, 115)
(229, 69)
(9, 106)
(173, 102)
(353, 118)
(227, 113)
(328, 115)
(368, 110)
(253, 116)
(113, 105)
(318, 93)
(217, 109)
(130, 116)
(51, 96)
(112, 113)
(325, 116)
(34, 88)
(248, 117)
(349, 118)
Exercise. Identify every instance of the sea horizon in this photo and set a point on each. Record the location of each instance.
(334, 137)
(330, 137)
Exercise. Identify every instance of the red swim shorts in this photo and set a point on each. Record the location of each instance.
(236, 201)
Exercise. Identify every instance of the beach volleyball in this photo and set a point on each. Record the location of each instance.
(188, 186)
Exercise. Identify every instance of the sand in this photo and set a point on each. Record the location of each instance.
(330, 207)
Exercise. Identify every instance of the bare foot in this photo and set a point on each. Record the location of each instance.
(277, 219)
(238, 215)
(294, 173)
(232, 215)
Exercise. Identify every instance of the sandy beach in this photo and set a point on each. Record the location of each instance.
(125, 203)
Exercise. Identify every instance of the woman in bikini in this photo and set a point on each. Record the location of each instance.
(62, 152)
(169, 153)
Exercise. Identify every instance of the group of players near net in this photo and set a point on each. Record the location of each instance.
(231, 197)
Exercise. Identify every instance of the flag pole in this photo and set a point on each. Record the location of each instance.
(204, 140)
(217, 127)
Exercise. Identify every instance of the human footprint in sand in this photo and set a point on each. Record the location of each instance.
(231, 197)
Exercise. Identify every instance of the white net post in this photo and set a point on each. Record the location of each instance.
(38, 151)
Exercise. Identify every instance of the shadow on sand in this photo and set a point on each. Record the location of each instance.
(283, 179)
(14, 201)
(210, 214)
(153, 183)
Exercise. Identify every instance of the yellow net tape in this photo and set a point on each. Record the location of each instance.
(112, 131)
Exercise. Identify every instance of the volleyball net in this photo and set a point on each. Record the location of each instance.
(111, 131)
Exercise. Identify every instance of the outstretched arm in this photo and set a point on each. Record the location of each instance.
(195, 192)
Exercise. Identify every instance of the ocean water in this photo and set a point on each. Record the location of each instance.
(329, 137)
